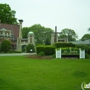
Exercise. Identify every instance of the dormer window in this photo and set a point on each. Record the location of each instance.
(5, 33)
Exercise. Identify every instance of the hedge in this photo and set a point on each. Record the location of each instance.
(60, 45)
(47, 49)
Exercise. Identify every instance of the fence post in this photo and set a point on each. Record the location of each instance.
(81, 53)
(58, 53)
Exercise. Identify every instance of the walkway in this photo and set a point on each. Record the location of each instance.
(17, 54)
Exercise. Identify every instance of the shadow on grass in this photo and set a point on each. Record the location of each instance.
(79, 74)
(4, 85)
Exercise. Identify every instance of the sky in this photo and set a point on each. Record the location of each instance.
(72, 14)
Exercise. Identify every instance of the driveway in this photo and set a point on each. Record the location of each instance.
(17, 54)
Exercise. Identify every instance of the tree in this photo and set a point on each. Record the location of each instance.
(5, 46)
(30, 48)
(85, 37)
(41, 33)
(7, 15)
(25, 31)
(68, 33)
(89, 29)
(47, 41)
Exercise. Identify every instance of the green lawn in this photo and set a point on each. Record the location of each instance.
(21, 73)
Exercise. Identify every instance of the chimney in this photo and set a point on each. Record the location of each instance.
(20, 20)
(20, 30)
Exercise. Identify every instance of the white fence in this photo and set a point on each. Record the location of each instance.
(58, 53)
(81, 53)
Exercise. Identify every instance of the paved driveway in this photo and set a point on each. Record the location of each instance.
(17, 54)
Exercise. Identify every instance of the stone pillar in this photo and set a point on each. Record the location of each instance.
(52, 38)
(66, 40)
(55, 40)
(19, 46)
(20, 30)
(31, 39)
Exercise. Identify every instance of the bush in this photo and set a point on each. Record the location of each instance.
(47, 49)
(41, 54)
(5, 46)
(59, 45)
(87, 56)
(30, 48)
(54, 55)
(84, 47)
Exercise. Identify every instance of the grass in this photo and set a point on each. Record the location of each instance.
(21, 73)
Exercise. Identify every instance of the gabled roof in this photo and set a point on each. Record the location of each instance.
(14, 29)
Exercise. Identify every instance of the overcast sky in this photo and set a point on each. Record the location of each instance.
(73, 14)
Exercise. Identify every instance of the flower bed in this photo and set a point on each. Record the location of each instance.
(40, 57)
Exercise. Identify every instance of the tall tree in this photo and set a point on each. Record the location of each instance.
(68, 33)
(41, 33)
(85, 37)
(7, 15)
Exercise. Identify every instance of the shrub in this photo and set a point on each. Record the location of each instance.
(41, 54)
(84, 47)
(54, 55)
(87, 56)
(47, 49)
(59, 45)
(5, 46)
(30, 48)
